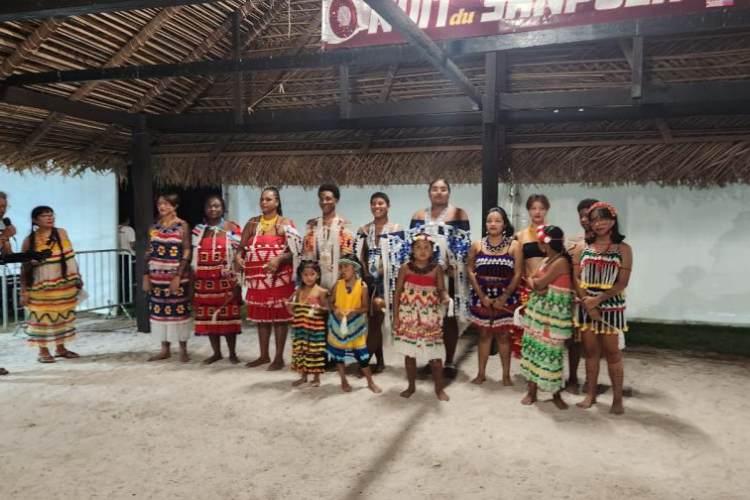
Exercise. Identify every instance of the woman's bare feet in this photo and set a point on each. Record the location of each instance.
(275, 366)
(507, 381)
(299, 381)
(529, 399)
(345, 386)
(378, 368)
(407, 393)
(316, 381)
(442, 395)
(479, 380)
(558, 400)
(162, 355)
(572, 387)
(212, 359)
(234, 359)
(587, 402)
(617, 408)
(374, 388)
(258, 362)
(184, 357)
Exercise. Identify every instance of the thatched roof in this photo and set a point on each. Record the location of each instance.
(705, 150)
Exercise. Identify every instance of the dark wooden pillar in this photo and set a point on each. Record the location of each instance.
(493, 131)
(141, 176)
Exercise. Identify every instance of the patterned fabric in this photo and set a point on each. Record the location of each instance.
(548, 324)
(267, 293)
(325, 244)
(215, 283)
(53, 297)
(348, 339)
(494, 272)
(170, 313)
(368, 249)
(309, 338)
(419, 333)
(599, 272)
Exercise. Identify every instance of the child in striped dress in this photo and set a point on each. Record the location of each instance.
(347, 325)
(309, 308)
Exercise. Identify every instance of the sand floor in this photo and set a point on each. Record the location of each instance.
(110, 425)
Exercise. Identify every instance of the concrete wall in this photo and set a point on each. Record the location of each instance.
(689, 245)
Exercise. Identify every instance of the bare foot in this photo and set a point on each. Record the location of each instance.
(374, 388)
(617, 408)
(160, 356)
(315, 382)
(234, 359)
(379, 368)
(442, 396)
(299, 381)
(212, 359)
(345, 386)
(528, 399)
(275, 366)
(407, 393)
(558, 400)
(479, 380)
(184, 357)
(507, 382)
(258, 362)
(572, 387)
(587, 402)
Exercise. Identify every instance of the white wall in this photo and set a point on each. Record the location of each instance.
(689, 245)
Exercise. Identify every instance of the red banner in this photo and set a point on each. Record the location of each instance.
(352, 23)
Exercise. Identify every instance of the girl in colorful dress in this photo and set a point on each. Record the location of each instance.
(347, 323)
(537, 205)
(50, 289)
(368, 251)
(217, 295)
(267, 251)
(603, 268)
(495, 269)
(167, 279)
(441, 220)
(309, 308)
(548, 322)
(418, 315)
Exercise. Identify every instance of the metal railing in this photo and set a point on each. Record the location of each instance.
(109, 283)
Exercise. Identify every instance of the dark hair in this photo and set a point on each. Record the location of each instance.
(275, 191)
(540, 198)
(3, 196)
(382, 196)
(508, 229)
(333, 188)
(308, 264)
(411, 250)
(558, 243)
(435, 181)
(54, 238)
(171, 198)
(216, 197)
(603, 212)
(585, 204)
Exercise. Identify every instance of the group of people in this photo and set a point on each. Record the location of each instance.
(533, 292)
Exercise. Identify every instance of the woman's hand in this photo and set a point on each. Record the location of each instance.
(590, 303)
(146, 284)
(486, 301)
(272, 265)
(499, 303)
(174, 284)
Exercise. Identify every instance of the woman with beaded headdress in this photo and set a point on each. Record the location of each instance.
(368, 251)
(495, 266)
(603, 268)
(268, 253)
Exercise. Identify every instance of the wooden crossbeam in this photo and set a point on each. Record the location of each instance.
(15, 10)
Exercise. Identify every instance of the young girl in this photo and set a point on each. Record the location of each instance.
(495, 269)
(347, 325)
(549, 318)
(309, 309)
(418, 314)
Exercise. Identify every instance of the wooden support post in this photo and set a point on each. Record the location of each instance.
(345, 99)
(141, 175)
(493, 132)
(238, 102)
(636, 91)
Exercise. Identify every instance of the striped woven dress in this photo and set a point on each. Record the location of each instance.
(351, 341)
(308, 336)
(599, 272)
(494, 272)
(419, 333)
(53, 297)
(548, 323)
(169, 313)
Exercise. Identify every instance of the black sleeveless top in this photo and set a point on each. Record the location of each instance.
(531, 250)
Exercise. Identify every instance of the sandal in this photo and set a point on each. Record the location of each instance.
(67, 355)
(46, 359)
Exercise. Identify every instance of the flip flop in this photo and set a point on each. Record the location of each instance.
(67, 355)
(46, 359)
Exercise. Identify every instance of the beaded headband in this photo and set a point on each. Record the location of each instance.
(348, 259)
(423, 237)
(607, 206)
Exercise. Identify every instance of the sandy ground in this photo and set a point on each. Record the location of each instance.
(110, 425)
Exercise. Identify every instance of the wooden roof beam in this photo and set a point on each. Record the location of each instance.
(392, 13)
(15, 10)
(29, 46)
